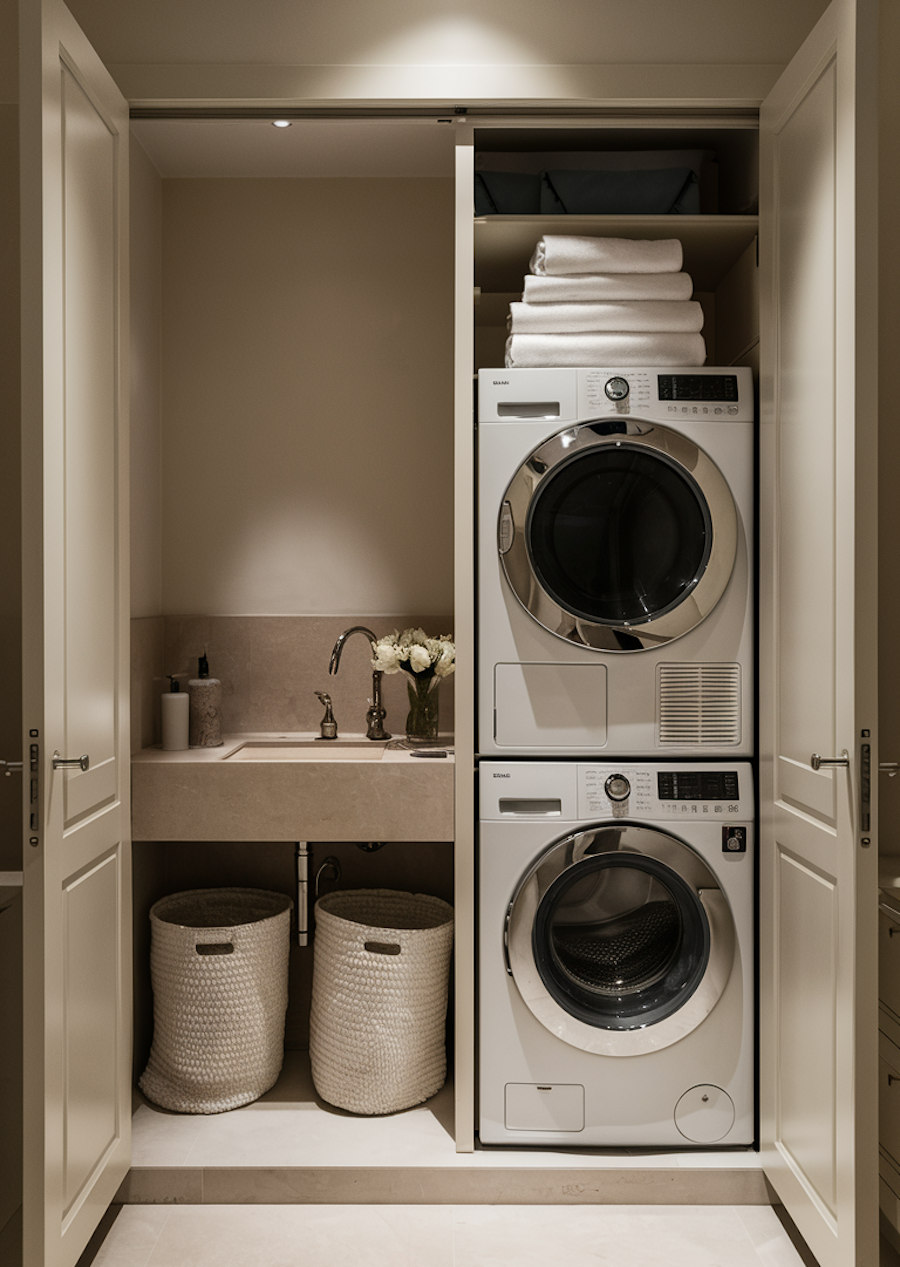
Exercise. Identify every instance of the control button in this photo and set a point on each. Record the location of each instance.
(617, 787)
(617, 388)
(734, 839)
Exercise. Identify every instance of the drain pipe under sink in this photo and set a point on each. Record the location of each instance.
(301, 868)
(302, 855)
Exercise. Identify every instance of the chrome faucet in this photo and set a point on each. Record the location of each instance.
(376, 713)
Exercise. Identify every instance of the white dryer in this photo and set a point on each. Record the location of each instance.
(616, 588)
(616, 950)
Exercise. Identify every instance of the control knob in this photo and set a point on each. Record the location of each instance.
(617, 787)
(617, 388)
(618, 790)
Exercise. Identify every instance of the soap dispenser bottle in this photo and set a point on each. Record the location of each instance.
(205, 719)
(175, 708)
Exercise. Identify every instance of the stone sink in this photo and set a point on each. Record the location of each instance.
(308, 750)
(285, 787)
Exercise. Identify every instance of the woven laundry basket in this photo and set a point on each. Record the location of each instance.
(219, 969)
(377, 1041)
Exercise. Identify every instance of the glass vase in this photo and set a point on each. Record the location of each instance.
(422, 719)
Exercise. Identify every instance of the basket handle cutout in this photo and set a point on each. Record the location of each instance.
(215, 948)
(382, 947)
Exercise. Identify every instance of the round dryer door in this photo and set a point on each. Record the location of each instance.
(620, 940)
(618, 535)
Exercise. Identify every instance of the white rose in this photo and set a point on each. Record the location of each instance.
(387, 659)
(446, 662)
(419, 659)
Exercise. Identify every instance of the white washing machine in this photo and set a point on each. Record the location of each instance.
(616, 951)
(616, 609)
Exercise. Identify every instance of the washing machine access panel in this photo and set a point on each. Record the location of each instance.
(616, 953)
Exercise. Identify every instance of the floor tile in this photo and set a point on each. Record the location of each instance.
(444, 1236)
(316, 1236)
(159, 1138)
(642, 1236)
(132, 1236)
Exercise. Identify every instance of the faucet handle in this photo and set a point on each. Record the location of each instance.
(327, 726)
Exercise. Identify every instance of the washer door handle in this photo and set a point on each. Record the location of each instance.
(509, 970)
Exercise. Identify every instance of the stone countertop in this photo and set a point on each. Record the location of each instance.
(198, 794)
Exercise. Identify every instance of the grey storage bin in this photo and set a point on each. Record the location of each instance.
(379, 998)
(219, 970)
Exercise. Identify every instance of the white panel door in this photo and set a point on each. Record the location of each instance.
(818, 668)
(77, 882)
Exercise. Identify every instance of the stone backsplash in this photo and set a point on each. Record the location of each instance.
(270, 668)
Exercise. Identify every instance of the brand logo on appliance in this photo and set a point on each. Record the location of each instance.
(502, 776)
(500, 382)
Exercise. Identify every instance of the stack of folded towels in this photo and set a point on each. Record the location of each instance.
(605, 301)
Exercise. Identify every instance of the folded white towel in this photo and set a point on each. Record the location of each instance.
(630, 315)
(557, 254)
(531, 351)
(595, 287)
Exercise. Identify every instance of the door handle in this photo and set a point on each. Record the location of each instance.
(818, 762)
(890, 768)
(71, 763)
(11, 767)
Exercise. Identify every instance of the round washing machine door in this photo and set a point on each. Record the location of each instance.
(618, 535)
(620, 940)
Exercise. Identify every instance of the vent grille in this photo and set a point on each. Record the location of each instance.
(699, 705)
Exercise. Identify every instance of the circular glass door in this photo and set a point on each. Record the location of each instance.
(620, 940)
(618, 535)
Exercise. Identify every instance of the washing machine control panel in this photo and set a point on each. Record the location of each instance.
(711, 791)
(717, 793)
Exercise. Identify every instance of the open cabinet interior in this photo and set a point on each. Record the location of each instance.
(719, 237)
(296, 315)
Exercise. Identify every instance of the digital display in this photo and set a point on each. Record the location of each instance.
(722, 387)
(706, 785)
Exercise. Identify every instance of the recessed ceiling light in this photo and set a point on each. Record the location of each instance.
(281, 123)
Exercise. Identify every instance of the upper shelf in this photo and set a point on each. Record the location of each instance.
(712, 244)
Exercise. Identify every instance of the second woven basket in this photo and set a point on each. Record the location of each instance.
(379, 998)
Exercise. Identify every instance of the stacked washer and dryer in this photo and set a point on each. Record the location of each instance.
(616, 655)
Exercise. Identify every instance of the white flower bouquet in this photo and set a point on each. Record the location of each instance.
(427, 661)
(415, 653)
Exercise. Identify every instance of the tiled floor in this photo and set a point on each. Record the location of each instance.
(445, 1236)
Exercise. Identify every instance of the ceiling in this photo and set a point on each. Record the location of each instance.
(308, 148)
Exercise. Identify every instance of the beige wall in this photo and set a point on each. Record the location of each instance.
(146, 436)
(307, 396)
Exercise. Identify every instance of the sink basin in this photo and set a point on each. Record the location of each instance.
(308, 750)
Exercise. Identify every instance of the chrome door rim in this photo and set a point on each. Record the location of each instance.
(566, 854)
(563, 448)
